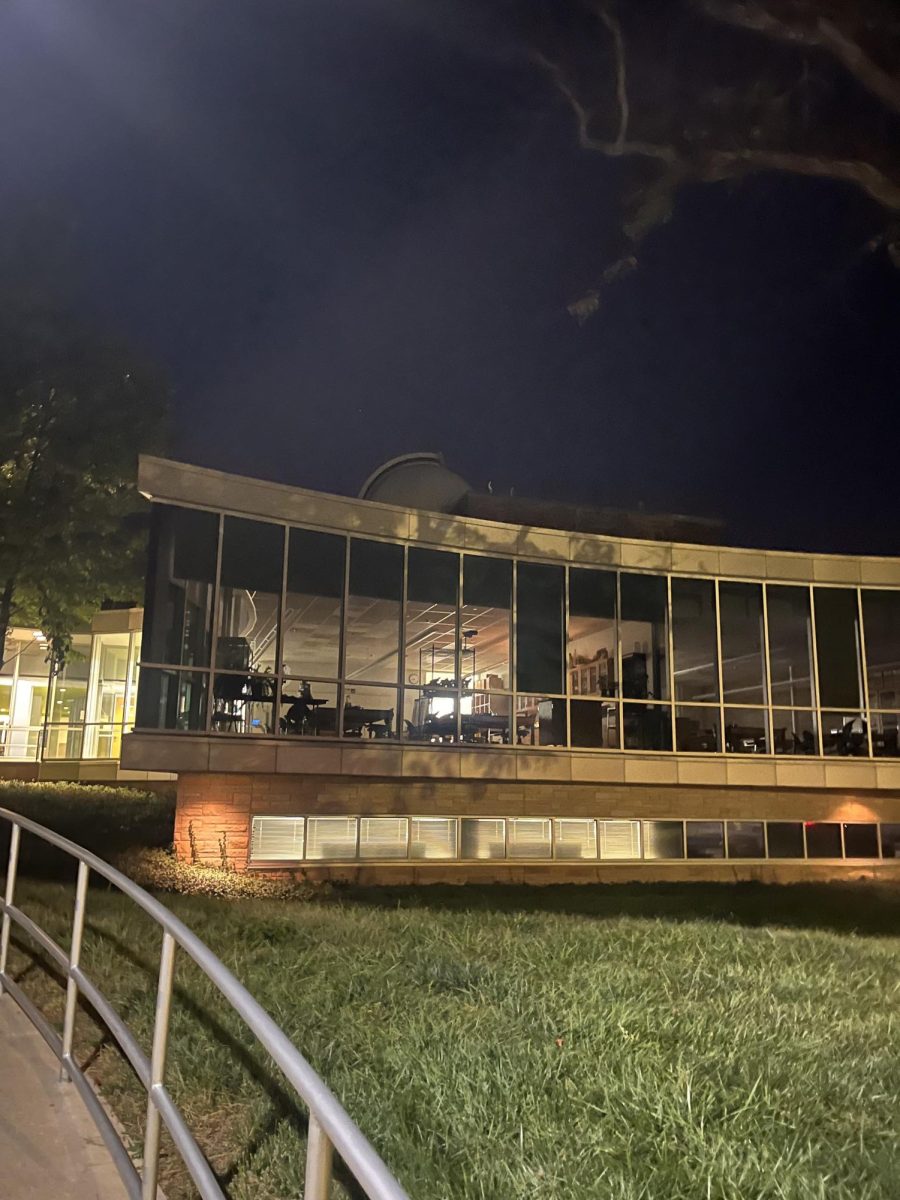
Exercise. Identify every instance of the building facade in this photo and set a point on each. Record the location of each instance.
(69, 725)
(384, 693)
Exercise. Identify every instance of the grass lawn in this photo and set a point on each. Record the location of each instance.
(566, 1043)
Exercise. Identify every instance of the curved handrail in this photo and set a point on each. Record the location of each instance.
(330, 1126)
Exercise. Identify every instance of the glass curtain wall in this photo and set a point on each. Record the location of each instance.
(382, 641)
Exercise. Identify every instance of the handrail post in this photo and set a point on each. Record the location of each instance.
(319, 1153)
(14, 835)
(158, 1066)
(74, 960)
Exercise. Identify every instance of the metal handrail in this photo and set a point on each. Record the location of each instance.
(330, 1126)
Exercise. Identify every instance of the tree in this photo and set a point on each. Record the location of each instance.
(693, 92)
(75, 410)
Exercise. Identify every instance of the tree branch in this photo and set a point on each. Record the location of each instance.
(821, 35)
(615, 30)
(717, 165)
(616, 149)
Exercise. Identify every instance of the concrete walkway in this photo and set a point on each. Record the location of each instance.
(49, 1147)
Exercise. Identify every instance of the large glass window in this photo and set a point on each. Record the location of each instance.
(539, 628)
(309, 709)
(170, 699)
(746, 731)
(886, 734)
(249, 595)
(540, 721)
(26, 701)
(823, 839)
(790, 645)
(180, 584)
(705, 839)
(696, 664)
(311, 637)
(647, 726)
(644, 637)
(68, 707)
(881, 621)
(485, 622)
(591, 653)
(369, 712)
(373, 611)
(594, 723)
(432, 587)
(794, 732)
(837, 647)
(860, 840)
(697, 729)
(109, 694)
(743, 642)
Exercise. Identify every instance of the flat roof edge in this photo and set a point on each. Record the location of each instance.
(170, 481)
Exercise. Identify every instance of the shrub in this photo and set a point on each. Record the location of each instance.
(103, 819)
(161, 870)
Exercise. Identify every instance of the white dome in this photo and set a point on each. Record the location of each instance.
(416, 481)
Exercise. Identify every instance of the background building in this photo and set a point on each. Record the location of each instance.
(70, 725)
(381, 692)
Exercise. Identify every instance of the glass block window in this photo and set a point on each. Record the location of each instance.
(331, 837)
(276, 839)
(432, 837)
(746, 839)
(383, 837)
(529, 837)
(663, 839)
(574, 838)
(482, 837)
(619, 839)
(705, 839)
(860, 840)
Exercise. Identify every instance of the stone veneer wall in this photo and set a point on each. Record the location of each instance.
(213, 807)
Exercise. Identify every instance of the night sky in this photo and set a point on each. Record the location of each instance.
(350, 229)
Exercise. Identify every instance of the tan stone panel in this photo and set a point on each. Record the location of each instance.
(711, 771)
(594, 549)
(487, 764)
(371, 760)
(794, 773)
(117, 620)
(437, 531)
(433, 764)
(307, 758)
(539, 764)
(598, 768)
(887, 775)
(880, 570)
(650, 556)
(742, 563)
(650, 770)
(164, 752)
(752, 774)
(250, 754)
(492, 536)
(789, 566)
(695, 560)
(542, 543)
(850, 774)
(834, 569)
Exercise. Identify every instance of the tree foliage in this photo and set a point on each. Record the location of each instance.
(688, 92)
(75, 410)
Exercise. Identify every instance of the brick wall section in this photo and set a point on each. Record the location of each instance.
(214, 813)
